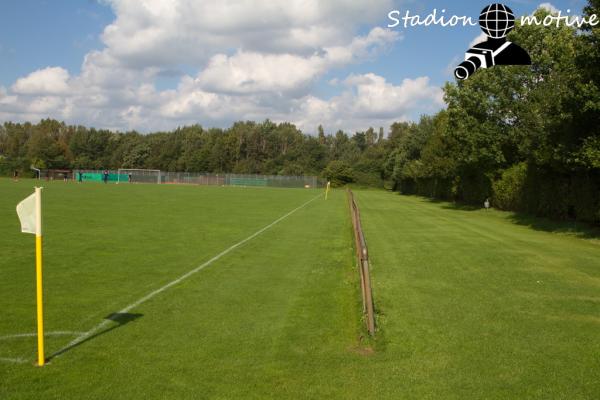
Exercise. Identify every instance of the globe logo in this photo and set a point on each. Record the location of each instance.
(497, 20)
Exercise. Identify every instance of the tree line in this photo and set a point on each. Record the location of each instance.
(527, 137)
(246, 148)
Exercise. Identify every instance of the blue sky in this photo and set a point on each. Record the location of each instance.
(148, 68)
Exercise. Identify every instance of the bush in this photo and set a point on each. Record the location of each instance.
(8, 166)
(339, 173)
(585, 197)
(437, 188)
(473, 188)
(371, 179)
(508, 190)
(548, 193)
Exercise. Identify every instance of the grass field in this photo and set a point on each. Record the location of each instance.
(476, 305)
(472, 304)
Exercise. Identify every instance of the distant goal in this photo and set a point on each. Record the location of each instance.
(138, 176)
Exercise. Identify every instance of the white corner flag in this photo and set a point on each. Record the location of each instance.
(27, 214)
(30, 215)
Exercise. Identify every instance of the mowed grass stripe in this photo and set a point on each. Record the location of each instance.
(108, 245)
(481, 307)
(80, 338)
(270, 321)
(471, 304)
(270, 317)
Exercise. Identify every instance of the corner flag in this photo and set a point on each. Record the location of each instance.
(30, 215)
(26, 212)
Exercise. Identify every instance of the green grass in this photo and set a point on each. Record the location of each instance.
(260, 322)
(472, 304)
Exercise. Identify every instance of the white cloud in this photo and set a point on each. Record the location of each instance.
(376, 97)
(482, 37)
(369, 100)
(41, 105)
(252, 72)
(159, 33)
(6, 101)
(255, 72)
(549, 7)
(50, 80)
(252, 59)
(449, 70)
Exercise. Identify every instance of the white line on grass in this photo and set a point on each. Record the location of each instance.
(25, 335)
(13, 360)
(105, 322)
(56, 333)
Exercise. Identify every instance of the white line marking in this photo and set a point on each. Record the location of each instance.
(144, 299)
(25, 335)
(13, 360)
(56, 333)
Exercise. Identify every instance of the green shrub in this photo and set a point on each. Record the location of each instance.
(339, 173)
(508, 190)
(474, 188)
(585, 197)
(438, 188)
(368, 179)
(546, 193)
(8, 166)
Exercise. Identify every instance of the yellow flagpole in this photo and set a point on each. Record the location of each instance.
(38, 275)
(327, 190)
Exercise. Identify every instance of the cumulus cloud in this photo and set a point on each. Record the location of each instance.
(253, 59)
(252, 72)
(51, 80)
(158, 33)
(377, 98)
(369, 100)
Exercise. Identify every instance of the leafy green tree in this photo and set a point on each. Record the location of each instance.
(339, 173)
(321, 134)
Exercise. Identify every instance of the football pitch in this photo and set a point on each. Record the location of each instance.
(189, 292)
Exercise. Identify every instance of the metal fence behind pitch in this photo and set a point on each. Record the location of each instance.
(362, 256)
(194, 178)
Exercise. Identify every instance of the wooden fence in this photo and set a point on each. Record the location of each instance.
(362, 256)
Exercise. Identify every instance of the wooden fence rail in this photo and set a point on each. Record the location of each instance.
(362, 256)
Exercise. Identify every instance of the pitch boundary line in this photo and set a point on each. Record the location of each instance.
(85, 335)
(13, 360)
(26, 335)
(55, 333)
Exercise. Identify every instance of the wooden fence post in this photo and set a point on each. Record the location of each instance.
(362, 256)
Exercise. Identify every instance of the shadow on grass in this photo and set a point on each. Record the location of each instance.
(578, 229)
(448, 205)
(121, 319)
(460, 207)
(574, 228)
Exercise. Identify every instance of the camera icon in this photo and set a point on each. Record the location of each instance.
(496, 21)
(478, 57)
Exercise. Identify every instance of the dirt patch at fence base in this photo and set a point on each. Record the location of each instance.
(366, 351)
